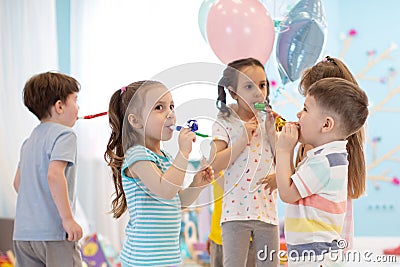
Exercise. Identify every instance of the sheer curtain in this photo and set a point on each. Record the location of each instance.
(28, 46)
(114, 43)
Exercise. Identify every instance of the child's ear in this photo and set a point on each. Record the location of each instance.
(58, 106)
(232, 93)
(135, 121)
(328, 124)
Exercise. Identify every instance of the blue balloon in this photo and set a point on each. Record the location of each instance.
(202, 17)
(301, 39)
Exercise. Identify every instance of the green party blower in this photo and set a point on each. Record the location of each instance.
(279, 121)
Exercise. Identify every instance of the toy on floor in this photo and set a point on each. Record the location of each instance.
(196, 249)
(282, 244)
(95, 253)
(7, 259)
(92, 253)
(282, 247)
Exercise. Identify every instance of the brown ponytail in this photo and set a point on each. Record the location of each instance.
(122, 136)
(334, 67)
(357, 168)
(114, 155)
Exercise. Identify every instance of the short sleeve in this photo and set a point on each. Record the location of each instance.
(65, 147)
(137, 153)
(312, 176)
(219, 132)
(20, 153)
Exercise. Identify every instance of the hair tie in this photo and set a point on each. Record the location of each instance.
(328, 59)
(123, 89)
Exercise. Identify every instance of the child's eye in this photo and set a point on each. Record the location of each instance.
(304, 109)
(159, 107)
(249, 86)
(172, 107)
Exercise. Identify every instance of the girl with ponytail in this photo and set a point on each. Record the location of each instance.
(147, 180)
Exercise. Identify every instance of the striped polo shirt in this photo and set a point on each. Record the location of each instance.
(154, 223)
(314, 222)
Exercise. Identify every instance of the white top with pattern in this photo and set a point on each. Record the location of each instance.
(243, 199)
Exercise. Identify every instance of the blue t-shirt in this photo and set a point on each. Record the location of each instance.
(37, 217)
(154, 223)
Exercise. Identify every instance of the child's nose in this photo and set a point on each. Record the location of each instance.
(171, 115)
(258, 94)
(298, 114)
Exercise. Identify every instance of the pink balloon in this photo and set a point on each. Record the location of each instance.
(240, 29)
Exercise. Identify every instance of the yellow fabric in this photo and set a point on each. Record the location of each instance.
(304, 225)
(215, 231)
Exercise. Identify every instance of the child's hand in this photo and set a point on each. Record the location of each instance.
(269, 181)
(73, 229)
(203, 177)
(185, 140)
(288, 137)
(250, 128)
(208, 245)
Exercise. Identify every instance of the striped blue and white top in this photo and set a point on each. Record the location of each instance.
(314, 223)
(154, 223)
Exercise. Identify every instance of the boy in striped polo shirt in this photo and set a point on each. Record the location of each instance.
(316, 191)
